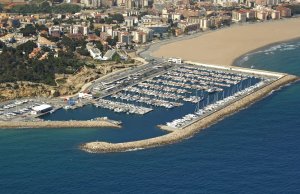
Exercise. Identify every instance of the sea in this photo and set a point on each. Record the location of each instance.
(256, 150)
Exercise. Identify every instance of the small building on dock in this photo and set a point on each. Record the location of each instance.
(41, 109)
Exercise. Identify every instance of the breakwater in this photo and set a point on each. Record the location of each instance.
(190, 130)
(99, 122)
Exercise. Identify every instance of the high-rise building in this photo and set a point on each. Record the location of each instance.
(129, 4)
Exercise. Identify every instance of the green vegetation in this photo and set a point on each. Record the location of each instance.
(112, 42)
(118, 17)
(99, 45)
(71, 44)
(45, 8)
(16, 66)
(29, 30)
(116, 58)
(2, 45)
(1, 7)
(110, 20)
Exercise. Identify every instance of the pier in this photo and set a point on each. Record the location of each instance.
(122, 107)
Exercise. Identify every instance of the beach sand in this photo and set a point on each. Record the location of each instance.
(224, 46)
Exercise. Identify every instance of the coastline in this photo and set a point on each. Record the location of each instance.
(237, 59)
(190, 130)
(238, 41)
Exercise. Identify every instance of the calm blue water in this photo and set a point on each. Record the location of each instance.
(254, 151)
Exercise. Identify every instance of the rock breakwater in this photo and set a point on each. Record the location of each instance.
(61, 124)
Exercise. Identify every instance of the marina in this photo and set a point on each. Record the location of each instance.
(181, 94)
(202, 89)
(176, 86)
(175, 102)
(246, 98)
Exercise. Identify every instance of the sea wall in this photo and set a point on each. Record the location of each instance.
(60, 124)
(189, 131)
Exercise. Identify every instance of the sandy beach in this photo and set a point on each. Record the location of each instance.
(223, 47)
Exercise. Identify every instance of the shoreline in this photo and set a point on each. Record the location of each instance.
(192, 129)
(210, 45)
(237, 59)
(61, 124)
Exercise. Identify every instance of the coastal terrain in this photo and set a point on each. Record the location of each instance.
(239, 40)
(224, 46)
(160, 70)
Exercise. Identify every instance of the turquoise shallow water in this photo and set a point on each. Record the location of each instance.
(254, 151)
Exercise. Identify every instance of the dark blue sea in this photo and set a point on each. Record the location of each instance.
(256, 150)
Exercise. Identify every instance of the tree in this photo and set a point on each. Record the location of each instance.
(112, 42)
(97, 32)
(16, 23)
(1, 7)
(68, 43)
(29, 30)
(108, 20)
(56, 21)
(116, 58)
(2, 45)
(41, 27)
(92, 25)
(99, 45)
(118, 17)
(83, 51)
(26, 47)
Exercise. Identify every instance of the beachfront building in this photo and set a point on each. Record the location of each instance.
(284, 11)
(194, 19)
(143, 35)
(275, 15)
(262, 15)
(239, 16)
(125, 38)
(139, 37)
(206, 23)
(188, 27)
(251, 14)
